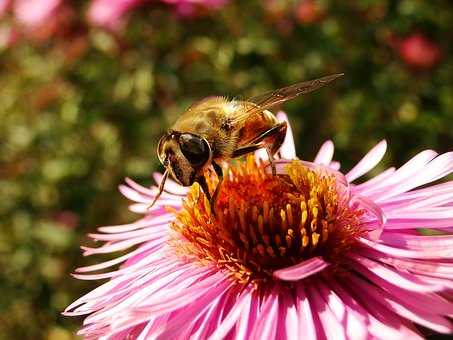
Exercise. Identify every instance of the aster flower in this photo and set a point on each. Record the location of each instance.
(190, 7)
(109, 13)
(305, 254)
(33, 14)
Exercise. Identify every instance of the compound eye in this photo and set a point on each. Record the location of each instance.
(160, 150)
(195, 149)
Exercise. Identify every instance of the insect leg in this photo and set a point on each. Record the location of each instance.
(245, 150)
(204, 186)
(279, 129)
(271, 140)
(219, 171)
(161, 188)
(270, 155)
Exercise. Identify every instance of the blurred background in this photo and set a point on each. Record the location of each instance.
(87, 88)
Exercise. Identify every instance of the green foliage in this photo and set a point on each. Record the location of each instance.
(80, 114)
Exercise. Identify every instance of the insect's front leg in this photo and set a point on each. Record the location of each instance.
(204, 186)
(219, 172)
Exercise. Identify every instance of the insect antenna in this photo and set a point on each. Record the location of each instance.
(161, 189)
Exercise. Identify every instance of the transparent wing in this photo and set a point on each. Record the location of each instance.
(273, 98)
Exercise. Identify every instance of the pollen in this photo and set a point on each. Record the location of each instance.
(264, 223)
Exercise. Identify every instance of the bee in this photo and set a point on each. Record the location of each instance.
(216, 129)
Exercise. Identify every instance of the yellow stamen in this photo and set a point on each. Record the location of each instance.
(267, 222)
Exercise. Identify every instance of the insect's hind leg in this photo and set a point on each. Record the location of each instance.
(272, 140)
(277, 139)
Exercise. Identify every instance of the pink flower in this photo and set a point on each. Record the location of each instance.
(418, 51)
(66, 219)
(32, 13)
(309, 12)
(190, 7)
(4, 4)
(109, 13)
(305, 254)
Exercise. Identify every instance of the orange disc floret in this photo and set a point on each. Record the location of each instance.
(265, 222)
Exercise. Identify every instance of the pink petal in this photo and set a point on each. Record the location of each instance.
(147, 300)
(137, 187)
(170, 185)
(261, 154)
(301, 270)
(439, 167)
(418, 242)
(136, 196)
(375, 181)
(290, 318)
(334, 165)
(266, 326)
(288, 149)
(381, 312)
(437, 323)
(159, 207)
(308, 326)
(409, 281)
(405, 253)
(421, 219)
(122, 245)
(379, 329)
(353, 323)
(371, 159)
(167, 301)
(409, 202)
(106, 264)
(190, 313)
(412, 167)
(129, 234)
(142, 223)
(425, 267)
(325, 153)
(414, 299)
(233, 316)
(332, 328)
(377, 228)
(248, 318)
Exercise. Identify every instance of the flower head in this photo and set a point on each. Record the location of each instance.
(418, 51)
(303, 254)
(109, 13)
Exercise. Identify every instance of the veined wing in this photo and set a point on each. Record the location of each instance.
(273, 98)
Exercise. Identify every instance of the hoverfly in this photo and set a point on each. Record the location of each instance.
(216, 129)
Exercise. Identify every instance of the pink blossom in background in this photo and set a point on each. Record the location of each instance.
(4, 4)
(418, 51)
(377, 281)
(208, 3)
(309, 11)
(8, 36)
(32, 13)
(42, 19)
(66, 219)
(109, 13)
(190, 7)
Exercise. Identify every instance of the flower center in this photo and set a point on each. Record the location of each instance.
(265, 222)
